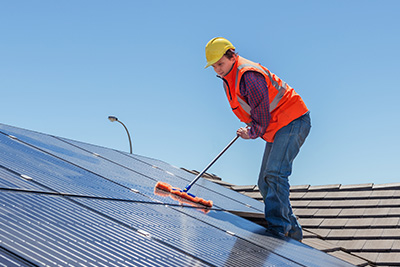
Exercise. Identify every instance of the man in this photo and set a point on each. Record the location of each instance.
(274, 112)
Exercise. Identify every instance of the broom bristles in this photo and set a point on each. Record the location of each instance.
(176, 191)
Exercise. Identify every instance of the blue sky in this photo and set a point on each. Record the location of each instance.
(65, 66)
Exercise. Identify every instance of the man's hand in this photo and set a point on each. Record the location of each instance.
(243, 132)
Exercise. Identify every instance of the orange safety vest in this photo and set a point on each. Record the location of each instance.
(285, 104)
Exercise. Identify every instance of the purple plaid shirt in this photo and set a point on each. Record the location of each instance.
(254, 90)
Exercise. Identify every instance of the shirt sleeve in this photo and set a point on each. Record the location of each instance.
(254, 90)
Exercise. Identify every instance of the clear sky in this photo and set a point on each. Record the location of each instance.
(65, 66)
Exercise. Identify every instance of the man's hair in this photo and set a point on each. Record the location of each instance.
(230, 53)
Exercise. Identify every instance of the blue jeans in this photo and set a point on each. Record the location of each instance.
(275, 170)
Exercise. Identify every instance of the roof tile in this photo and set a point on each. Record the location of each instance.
(320, 203)
(342, 233)
(393, 202)
(296, 195)
(389, 185)
(321, 245)
(395, 211)
(342, 203)
(382, 193)
(243, 187)
(334, 223)
(354, 244)
(369, 233)
(324, 187)
(304, 212)
(349, 258)
(377, 212)
(353, 212)
(388, 258)
(356, 186)
(337, 194)
(315, 194)
(360, 222)
(366, 203)
(299, 187)
(371, 256)
(392, 232)
(396, 245)
(378, 245)
(322, 232)
(328, 212)
(300, 203)
(306, 222)
(386, 222)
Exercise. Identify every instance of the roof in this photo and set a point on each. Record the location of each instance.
(64, 202)
(357, 223)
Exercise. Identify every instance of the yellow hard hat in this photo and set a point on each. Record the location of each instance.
(216, 48)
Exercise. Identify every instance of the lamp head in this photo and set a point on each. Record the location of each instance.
(112, 118)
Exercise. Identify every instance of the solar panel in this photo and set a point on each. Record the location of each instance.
(141, 175)
(65, 202)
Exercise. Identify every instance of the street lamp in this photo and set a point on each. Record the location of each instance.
(112, 119)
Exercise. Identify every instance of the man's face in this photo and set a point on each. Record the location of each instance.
(223, 66)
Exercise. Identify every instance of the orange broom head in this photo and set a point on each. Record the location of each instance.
(164, 186)
(176, 191)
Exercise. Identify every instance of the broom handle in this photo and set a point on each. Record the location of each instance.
(209, 165)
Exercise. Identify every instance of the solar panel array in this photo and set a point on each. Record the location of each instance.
(65, 202)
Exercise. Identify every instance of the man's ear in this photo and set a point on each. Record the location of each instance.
(233, 58)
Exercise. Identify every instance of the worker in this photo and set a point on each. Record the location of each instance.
(272, 111)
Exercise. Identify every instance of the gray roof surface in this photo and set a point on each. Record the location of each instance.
(357, 223)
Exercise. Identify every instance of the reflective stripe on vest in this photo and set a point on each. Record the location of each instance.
(278, 97)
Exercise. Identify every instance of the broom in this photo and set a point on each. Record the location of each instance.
(183, 193)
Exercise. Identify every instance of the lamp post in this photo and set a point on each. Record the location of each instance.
(112, 119)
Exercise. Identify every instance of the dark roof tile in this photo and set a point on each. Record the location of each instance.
(377, 211)
(395, 211)
(310, 222)
(321, 245)
(351, 244)
(349, 258)
(392, 202)
(342, 233)
(324, 187)
(321, 232)
(371, 256)
(320, 203)
(315, 195)
(337, 194)
(334, 222)
(369, 233)
(386, 222)
(391, 232)
(304, 212)
(360, 222)
(296, 195)
(299, 187)
(382, 193)
(392, 259)
(356, 186)
(328, 212)
(378, 245)
(390, 185)
(352, 212)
